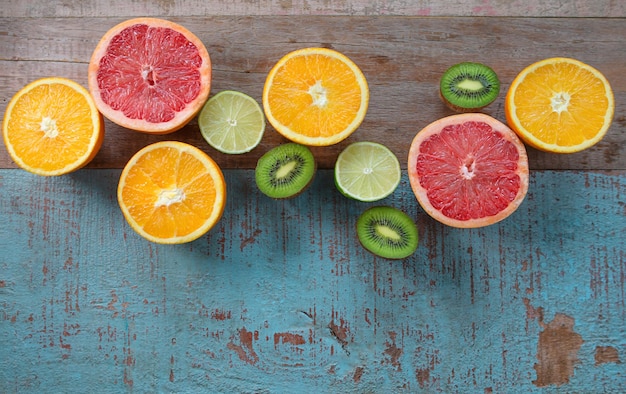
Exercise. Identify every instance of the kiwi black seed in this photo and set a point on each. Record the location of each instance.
(387, 232)
(467, 86)
(285, 171)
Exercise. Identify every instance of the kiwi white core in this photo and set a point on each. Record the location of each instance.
(471, 85)
(388, 232)
(286, 169)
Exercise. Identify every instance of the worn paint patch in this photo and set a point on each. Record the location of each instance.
(393, 351)
(557, 351)
(220, 314)
(172, 362)
(606, 354)
(340, 333)
(248, 240)
(205, 316)
(532, 312)
(244, 349)
(423, 376)
(358, 374)
(426, 375)
(287, 337)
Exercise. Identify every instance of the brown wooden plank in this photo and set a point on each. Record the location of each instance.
(91, 8)
(402, 57)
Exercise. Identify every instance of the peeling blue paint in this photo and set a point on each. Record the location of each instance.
(280, 297)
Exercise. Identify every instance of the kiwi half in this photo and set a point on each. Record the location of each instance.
(467, 86)
(285, 171)
(387, 232)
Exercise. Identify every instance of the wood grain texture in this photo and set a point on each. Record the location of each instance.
(402, 58)
(537, 8)
(279, 297)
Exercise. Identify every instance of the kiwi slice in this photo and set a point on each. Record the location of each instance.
(467, 86)
(285, 171)
(387, 232)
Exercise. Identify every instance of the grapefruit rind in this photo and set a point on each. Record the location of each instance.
(296, 136)
(117, 116)
(527, 136)
(422, 194)
(91, 150)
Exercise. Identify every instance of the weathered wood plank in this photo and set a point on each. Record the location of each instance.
(279, 297)
(539, 8)
(402, 57)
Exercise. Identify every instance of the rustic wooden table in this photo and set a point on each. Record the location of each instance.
(279, 297)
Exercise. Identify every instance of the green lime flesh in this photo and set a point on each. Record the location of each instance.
(367, 171)
(232, 122)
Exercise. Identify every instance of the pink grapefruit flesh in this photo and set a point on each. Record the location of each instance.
(468, 170)
(150, 75)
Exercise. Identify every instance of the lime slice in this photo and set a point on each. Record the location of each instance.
(367, 171)
(232, 122)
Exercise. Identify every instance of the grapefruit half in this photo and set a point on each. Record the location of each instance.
(150, 75)
(468, 170)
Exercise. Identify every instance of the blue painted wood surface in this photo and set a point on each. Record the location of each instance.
(280, 297)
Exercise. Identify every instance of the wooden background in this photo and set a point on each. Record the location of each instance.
(279, 297)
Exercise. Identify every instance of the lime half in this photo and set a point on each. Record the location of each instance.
(232, 122)
(367, 171)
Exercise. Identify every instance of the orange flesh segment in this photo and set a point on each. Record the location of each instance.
(150, 73)
(469, 171)
(561, 104)
(61, 117)
(169, 204)
(315, 87)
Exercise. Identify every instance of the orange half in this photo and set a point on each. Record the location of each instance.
(315, 96)
(52, 127)
(171, 192)
(560, 105)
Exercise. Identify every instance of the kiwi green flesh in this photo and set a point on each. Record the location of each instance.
(387, 232)
(285, 171)
(469, 86)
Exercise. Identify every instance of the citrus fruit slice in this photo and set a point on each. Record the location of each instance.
(367, 171)
(315, 96)
(150, 75)
(560, 105)
(232, 122)
(171, 192)
(52, 127)
(468, 170)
